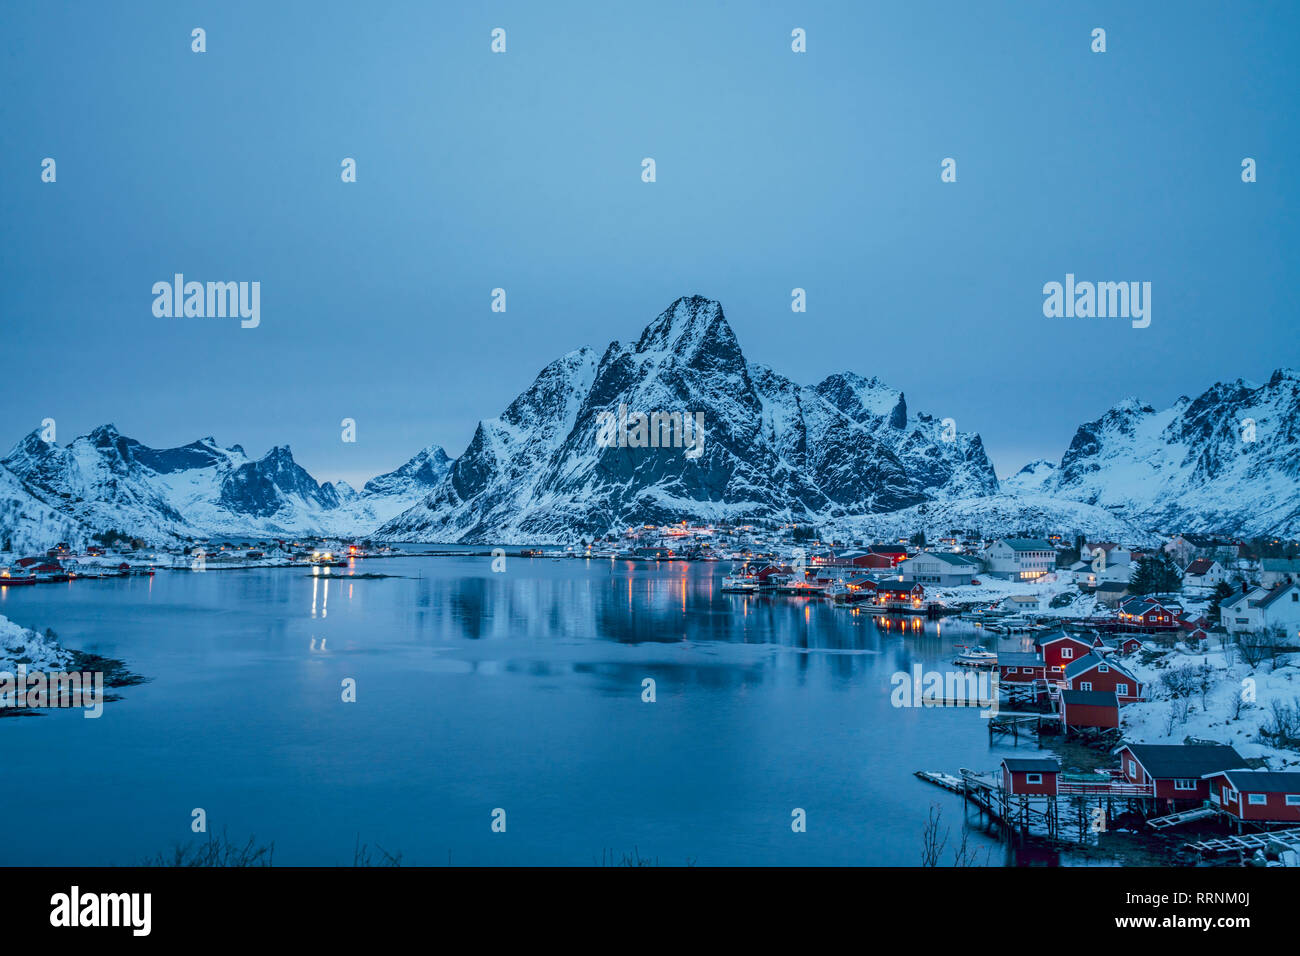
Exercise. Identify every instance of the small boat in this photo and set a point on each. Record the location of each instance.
(974, 656)
(738, 584)
(14, 579)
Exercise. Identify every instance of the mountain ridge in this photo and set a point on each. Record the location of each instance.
(848, 451)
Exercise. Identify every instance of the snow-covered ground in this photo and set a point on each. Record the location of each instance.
(20, 645)
(1230, 679)
(1217, 717)
(992, 590)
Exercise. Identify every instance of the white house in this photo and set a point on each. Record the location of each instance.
(1204, 572)
(1274, 571)
(1023, 603)
(1021, 559)
(941, 568)
(1187, 547)
(1263, 608)
(1085, 576)
(1111, 553)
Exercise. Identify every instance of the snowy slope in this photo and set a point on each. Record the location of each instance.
(1031, 478)
(999, 515)
(1187, 467)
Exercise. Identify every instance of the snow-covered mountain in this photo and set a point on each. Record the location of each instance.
(771, 448)
(1031, 478)
(421, 474)
(105, 480)
(1228, 460)
(846, 453)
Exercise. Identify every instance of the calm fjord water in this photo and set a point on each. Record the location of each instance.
(475, 691)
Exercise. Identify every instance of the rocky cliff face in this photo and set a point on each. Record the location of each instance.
(770, 448)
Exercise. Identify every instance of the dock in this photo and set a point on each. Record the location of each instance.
(1077, 813)
(1187, 816)
(1011, 815)
(1288, 839)
(1011, 722)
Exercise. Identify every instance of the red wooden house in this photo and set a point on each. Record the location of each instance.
(1020, 668)
(1095, 672)
(1176, 771)
(1089, 710)
(1060, 649)
(1030, 776)
(888, 552)
(896, 594)
(1260, 796)
(764, 574)
(1130, 644)
(1147, 612)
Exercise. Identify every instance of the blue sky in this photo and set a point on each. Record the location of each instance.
(522, 170)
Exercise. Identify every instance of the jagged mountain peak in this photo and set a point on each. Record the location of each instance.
(770, 447)
(863, 399)
(693, 331)
(423, 471)
(689, 318)
(31, 444)
(105, 480)
(105, 432)
(279, 454)
(1227, 460)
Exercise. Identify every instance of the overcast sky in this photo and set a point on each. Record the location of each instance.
(775, 170)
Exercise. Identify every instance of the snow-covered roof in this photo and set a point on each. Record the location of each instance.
(1028, 544)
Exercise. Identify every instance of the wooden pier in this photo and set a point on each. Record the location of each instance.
(1077, 814)
(1186, 816)
(1276, 841)
(1010, 723)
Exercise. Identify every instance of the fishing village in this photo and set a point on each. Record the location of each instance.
(1130, 676)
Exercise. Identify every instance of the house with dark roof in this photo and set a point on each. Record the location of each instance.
(1061, 648)
(1258, 796)
(1030, 776)
(942, 568)
(1089, 710)
(1127, 644)
(1017, 667)
(1095, 672)
(1021, 559)
(1263, 608)
(1186, 547)
(1149, 613)
(1110, 593)
(1176, 771)
(1204, 573)
(1275, 571)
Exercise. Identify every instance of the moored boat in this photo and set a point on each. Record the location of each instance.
(739, 584)
(975, 656)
